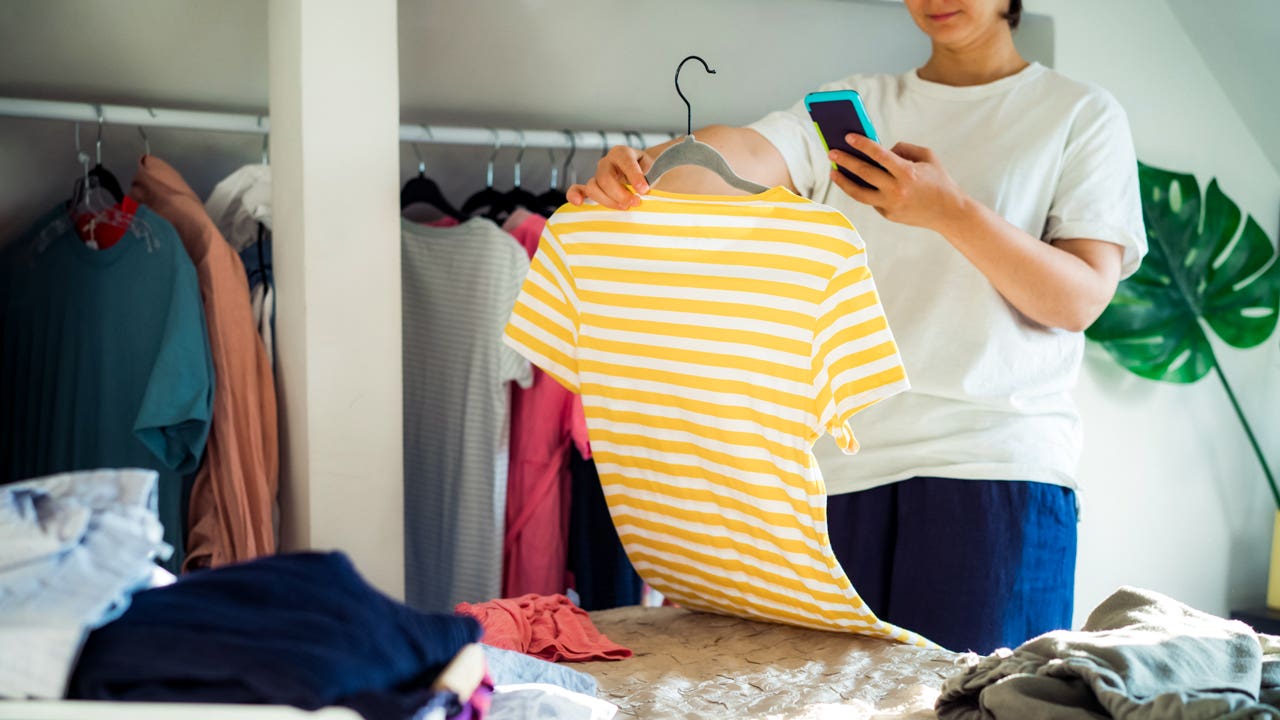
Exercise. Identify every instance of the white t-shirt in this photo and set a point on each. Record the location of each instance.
(991, 389)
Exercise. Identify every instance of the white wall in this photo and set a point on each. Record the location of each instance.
(1174, 498)
(1236, 46)
(335, 110)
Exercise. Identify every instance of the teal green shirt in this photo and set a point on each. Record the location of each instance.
(104, 357)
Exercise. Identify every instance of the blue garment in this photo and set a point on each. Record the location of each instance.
(603, 576)
(970, 564)
(508, 667)
(104, 357)
(73, 547)
(303, 630)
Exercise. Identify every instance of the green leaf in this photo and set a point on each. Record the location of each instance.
(1203, 267)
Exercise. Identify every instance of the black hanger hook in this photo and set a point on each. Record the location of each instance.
(689, 121)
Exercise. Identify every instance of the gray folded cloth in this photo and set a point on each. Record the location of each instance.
(508, 667)
(1140, 655)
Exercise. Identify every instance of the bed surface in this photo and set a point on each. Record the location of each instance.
(696, 665)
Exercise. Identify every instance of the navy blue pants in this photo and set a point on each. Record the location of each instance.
(970, 564)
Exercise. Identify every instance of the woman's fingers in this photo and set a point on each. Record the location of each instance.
(866, 196)
(875, 151)
(863, 169)
(614, 172)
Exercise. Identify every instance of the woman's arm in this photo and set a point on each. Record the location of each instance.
(1066, 284)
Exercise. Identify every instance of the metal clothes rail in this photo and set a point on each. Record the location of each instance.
(260, 124)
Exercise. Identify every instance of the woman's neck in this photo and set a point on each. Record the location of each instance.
(982, 62)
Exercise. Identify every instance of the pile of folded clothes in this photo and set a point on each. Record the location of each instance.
(85, 613)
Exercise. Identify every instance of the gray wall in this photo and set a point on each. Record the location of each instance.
(513, 63)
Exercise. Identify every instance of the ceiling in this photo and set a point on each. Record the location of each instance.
(1238, 41)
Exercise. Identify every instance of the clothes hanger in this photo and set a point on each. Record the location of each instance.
(517, 196)
(97, 206)
(567, 171)
(106, 180)
(86, 195)
(692, 152)
(548, 202)
(487, 197)
(422, 189)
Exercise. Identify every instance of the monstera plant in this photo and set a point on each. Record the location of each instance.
(1205, 271)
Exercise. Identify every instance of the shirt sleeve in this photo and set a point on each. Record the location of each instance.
(855, 358)
(544, 322)
(792, 132)
(513, 366)
(177, 406)
(1097, 196)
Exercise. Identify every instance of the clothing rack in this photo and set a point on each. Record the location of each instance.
(137, 116)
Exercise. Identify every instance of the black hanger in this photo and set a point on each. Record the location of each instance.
(98, 176)
(105, 179)
(422, 189)
(107, 182)
(548, 202)
(517, 196)
(487, 197)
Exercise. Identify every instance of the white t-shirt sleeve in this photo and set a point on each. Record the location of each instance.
(792, 132)
(1097, 196)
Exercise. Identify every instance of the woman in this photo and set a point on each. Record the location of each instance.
(994, 243)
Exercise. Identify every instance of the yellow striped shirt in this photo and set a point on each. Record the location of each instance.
(713, 340)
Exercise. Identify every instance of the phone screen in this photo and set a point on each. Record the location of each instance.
(838, 118)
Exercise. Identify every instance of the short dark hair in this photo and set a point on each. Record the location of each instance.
(1014, 15)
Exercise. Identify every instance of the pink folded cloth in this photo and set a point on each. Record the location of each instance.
(550, 627)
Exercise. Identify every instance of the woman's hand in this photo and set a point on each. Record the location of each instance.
(913, 188)
(620, 167)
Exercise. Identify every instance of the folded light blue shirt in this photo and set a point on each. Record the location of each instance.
(73, 547)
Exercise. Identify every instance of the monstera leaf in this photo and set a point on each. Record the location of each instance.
(1204, 268)
(1200, 266)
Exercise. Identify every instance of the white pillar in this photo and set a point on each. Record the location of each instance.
(335, 163)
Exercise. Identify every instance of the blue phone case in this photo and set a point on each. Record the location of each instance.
(835, 114)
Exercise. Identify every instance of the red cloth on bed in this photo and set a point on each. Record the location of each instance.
(550, 627)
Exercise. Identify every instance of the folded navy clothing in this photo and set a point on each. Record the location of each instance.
(303, 630)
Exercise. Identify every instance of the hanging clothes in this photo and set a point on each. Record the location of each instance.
(545, 419)
(239, 203)
(599, 570)
(458, 286)
(104, 358)
(714, 339)
(240, 207)
(230, 512)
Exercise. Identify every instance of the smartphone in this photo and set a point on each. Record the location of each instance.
(837, 113)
